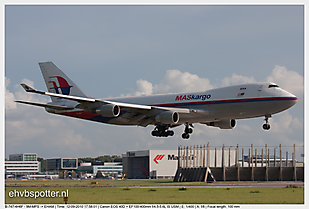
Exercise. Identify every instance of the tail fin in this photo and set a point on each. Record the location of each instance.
(57, 82)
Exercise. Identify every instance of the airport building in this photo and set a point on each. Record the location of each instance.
(22, 164)
(187, 163)
(108, 169)
(158, 164)
(61, 164)
(23, 157)
(85, 168)
(114, 169)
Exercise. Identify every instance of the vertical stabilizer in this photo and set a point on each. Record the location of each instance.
(57, 82)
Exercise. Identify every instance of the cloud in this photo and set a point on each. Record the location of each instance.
(144, 87)
(285, 123)
(236, 79)
(288, 80)
(176, 81)
(9, 97)
(21, 94)
(7, 82)
(31, 129)
(27, 81)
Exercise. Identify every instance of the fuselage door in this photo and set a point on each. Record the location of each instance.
(260, 87)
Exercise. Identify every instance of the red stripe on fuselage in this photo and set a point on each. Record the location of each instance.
(228, 100)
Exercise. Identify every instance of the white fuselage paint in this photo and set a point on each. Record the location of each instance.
(233, 102)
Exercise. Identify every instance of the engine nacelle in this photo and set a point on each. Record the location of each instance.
(167, 117)
(108, 110)
(223, 124)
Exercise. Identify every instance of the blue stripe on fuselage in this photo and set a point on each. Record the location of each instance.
(102, 119)
(227, 101)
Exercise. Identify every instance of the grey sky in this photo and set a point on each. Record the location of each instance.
(110, 51)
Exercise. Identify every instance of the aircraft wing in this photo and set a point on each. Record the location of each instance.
(135, 113)
(83, 99)
(57, 107)
(127, 106)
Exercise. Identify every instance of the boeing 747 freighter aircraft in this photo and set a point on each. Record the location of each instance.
(216, 107)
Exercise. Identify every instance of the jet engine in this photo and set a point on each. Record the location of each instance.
(223, 124)
(167, 117)
(108, 110)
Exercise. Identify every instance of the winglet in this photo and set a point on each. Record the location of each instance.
(74, 98)
(27, 88)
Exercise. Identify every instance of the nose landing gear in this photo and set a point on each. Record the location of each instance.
(266, 126)
(188, 131)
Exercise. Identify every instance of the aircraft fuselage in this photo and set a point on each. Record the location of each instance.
(237, 102)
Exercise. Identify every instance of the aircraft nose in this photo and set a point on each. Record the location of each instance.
(292, 95)
(290, 99)
(293, 99)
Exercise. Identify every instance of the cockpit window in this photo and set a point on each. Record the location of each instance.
(272, 86)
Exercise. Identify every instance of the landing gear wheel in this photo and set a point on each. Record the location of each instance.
(187, 132)
(185, 136)
(266, 127)
(162, 131)
(154, 133)
(170, 133)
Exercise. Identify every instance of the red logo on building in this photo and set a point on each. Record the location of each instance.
(158, 157)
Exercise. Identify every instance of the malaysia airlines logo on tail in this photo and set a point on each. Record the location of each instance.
(61, 84)
(158, 157)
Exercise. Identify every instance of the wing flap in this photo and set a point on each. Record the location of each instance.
(179, 110)
(127, 105)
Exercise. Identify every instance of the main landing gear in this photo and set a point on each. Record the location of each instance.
(162, 131)
(266, 126)
(187, 132)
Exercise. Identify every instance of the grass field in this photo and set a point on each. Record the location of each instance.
(121, 192)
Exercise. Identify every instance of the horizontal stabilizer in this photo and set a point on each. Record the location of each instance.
(57, 107)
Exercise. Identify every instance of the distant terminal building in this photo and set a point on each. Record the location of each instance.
(61, 164)
(85, 168)
(90, 169)
(163, 163)
(109, 169)
(23, 157)
(22, 164)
